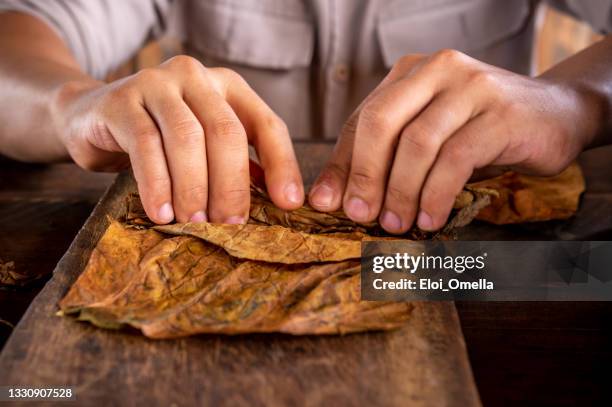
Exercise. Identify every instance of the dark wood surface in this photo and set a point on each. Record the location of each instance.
(521, 353)
(41, 210)
(424, 363)
(547, 353)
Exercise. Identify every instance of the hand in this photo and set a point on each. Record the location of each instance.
(414, 142)
(185, 129)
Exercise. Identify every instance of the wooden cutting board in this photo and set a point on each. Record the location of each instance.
(424, 363)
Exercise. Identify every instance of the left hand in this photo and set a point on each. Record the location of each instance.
(414, 142)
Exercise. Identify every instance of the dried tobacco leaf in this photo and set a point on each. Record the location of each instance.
(304, 219)
(469, 203)
(309, 220)
(134, 213)
(10, 277)
(523, 198)
(272, 244)
(183, 285)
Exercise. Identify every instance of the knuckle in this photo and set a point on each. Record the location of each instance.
(431, 198)
(362, 178)
(399, 196)
(350, 126)
(185, 63)
(155, 187)
(144, 142)
(236, 195)
(192, 194)
(148, 76)
(404, 60)
(228, 128)
(271, 123)
(419, 140)
(230, 202)
(448, 56)
(402, 63)
(145, 135)
(482, 78)
(118, 96)
(275, 124)
(188, 132)
(227, 74)
(456, 154)
(373, 118)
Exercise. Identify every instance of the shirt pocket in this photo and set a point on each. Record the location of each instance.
(414, 27)
(269, 34)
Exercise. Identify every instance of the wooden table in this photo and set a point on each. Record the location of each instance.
(41, 210)
(520, 352)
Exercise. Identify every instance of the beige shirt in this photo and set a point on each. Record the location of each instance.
(312, 61)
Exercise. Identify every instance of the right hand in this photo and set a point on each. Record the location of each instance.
(186, 130)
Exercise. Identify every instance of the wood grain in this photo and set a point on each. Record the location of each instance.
(42, 207)
(424, 363)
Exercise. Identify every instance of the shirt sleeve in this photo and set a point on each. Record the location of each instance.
(100, 33)
(598, 13)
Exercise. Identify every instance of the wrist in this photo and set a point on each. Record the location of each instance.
(591, 116)
(65, 102)
(583, 109)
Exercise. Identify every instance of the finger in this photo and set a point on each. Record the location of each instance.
(473, 146)
(136, 131)
(226, 151)
(416, 152)
(270, 137)
(184, 146)
(380, 122)
(328, 189)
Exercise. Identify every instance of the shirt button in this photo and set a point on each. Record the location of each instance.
(341, 72)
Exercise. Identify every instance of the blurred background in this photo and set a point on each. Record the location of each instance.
(560, 36)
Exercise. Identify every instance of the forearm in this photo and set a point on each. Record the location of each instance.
(589, 73)
(35, 64)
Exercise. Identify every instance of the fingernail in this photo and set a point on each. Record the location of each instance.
(357, 209)
(166, 214)
(322, 196)
(292, 193)
(234, 220)
(198, 217)
(390, 221)
(424, 221)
